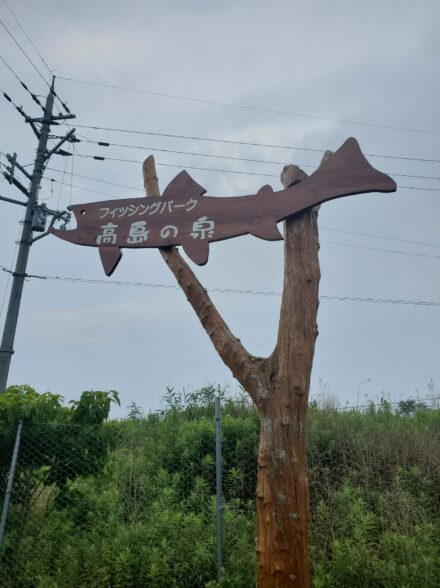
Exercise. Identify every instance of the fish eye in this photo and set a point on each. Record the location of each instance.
(82, 211)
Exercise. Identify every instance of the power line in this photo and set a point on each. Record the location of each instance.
(413, 176)
(66, 108)
(147, 148)
(226, 171)
(112, 196)
(380, 249)
(34, 96)
(19, 109)
(248, 143)
(99, 180)
(252, 108)
(27, 37)
(424, 243)
(219, 170)
(224, 290)
(10, 68)
(233, 158)
(418, 188)
(24, 53)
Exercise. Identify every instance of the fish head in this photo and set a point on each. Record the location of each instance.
(86, 217)
(88, 226)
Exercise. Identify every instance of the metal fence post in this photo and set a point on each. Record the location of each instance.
(10, 483)
(218, 485)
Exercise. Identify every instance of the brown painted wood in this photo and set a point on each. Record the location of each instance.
(184, 216)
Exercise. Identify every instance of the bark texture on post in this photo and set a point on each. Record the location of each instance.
(279, 387)
(282, 483)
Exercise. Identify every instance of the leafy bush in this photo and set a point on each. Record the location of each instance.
(137, 506)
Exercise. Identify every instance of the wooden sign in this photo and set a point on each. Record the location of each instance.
(184, 216)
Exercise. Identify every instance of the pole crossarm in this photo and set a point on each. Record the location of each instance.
(58, 145)
(42, 119)
(12, 201)
(13, 160)
(16, 183)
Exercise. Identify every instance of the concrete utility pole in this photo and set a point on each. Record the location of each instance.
(19, 275)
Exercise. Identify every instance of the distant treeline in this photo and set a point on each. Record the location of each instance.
(130, 503)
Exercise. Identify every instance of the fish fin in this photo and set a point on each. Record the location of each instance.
(183, 186)
(265, 227)
(110, 257)
(198, 251)
(265, 191)
(350, 165)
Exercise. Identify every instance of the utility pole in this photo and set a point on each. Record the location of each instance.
(32, 209)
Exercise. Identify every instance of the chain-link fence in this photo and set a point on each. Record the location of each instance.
(127, 503)
(133, 503)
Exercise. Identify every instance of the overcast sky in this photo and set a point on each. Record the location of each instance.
(374, 62)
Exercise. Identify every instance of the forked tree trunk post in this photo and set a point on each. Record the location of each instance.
(279, 387)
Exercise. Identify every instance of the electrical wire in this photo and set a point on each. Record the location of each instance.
(10, 68)
(245, 159)
(423, 243)
(63, 104)
(111, 196)
(34, 96)
(218, 170)
(147, 148)
(18, 108)
(24, 53)
(226, 171)
(225, 290)
(27, 37)
(253, 108)
(248, 143)
(380, 249)
(99, 180)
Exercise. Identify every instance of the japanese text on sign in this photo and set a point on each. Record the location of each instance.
(162, 207)
(202, 228)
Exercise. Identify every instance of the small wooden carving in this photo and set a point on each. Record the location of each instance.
(184, 216)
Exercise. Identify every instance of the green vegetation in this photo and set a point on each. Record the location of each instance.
(131, 503)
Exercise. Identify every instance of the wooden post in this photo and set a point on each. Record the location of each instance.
(279, 387)
(282, 483)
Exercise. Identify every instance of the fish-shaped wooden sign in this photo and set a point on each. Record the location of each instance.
(184, 216)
